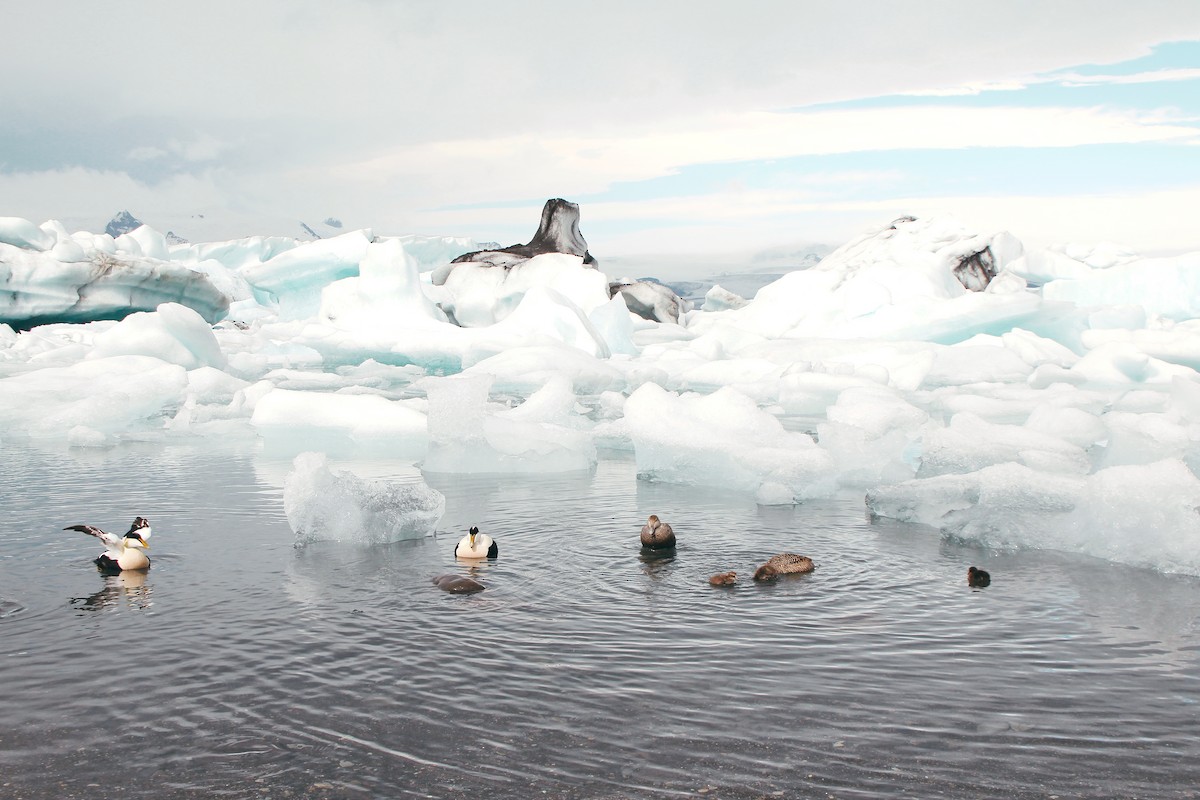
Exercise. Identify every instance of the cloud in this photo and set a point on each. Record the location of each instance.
(494, 168)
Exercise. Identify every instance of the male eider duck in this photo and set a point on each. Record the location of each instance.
(476, 545)
(124, 552)
(977, 577)
(657, 535)
(784, 564)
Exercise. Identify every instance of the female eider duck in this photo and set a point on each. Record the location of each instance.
(784, 564)
(977, 577)
(124, 552)
(657, 535)
(476, 545)
(458, 584)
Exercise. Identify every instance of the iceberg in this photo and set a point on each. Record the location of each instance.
(1006, 395)
(56, 277)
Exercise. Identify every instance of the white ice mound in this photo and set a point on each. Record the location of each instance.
(468, 434)
(1146, 515)
(723, 440)
(286, 417)
(481, 294)
(293, 279)
(174, 333)
(80, 278)
(916, 278)
(323, 505)
(92, 399)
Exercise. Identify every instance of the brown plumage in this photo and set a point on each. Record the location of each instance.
(657, 535)
(784, 564)
(458, 584)
(977, 577)
(723, 579)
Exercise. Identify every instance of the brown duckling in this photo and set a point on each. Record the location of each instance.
(784, 564)
(723, 579)
(657, 535)
(977, 577)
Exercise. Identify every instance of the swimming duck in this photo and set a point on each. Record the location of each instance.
(977, 577)
(723, 579)
(458, 584)
(784, 564)
(657, 535)
(476, 545)
(124, 552)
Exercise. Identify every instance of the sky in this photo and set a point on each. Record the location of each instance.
(679, 127)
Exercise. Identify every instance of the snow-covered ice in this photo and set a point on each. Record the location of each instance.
(1007, 395)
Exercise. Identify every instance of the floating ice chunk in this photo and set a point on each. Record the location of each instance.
(24, 234)
(1123, 363)
(1143, 515)
(173, 333)
(871, 434)
(117, 395)
(651, 300)
(41, 289)
(1002, 505)
(525, 369)
(470, 435)
(723, 440)
(323, 505)
(483, 295)
(295, 277)
(1042, 266)
(144, 241)
(1169, 287)
(718, 298)
(384, 300)
(613, 323)
(970, 443)
(287, 419)
(545, 315)
(1073, 425)
(1144, 438)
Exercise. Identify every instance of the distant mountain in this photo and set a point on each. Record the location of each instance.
(122, 223)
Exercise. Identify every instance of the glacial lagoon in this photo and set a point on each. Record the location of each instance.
(242, 665)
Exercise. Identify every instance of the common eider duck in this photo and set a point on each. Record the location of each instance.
(124, 552)
(458, 584)
(784, 564)
(723, 579)
(977, 577)
(657, 535)
(476, 545)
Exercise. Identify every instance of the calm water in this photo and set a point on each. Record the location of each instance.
(243, 667)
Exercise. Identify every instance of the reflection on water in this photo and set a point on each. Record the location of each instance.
(587, 668)
(128, 590)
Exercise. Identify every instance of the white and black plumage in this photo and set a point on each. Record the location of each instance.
(476, 545)
(124, 552)
(657, 535)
